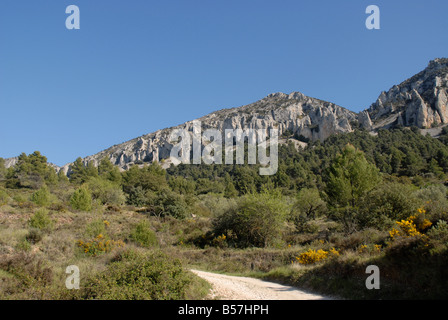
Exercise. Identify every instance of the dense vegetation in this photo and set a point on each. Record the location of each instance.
(332, 209)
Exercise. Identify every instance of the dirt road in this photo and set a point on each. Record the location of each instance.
(242, 288)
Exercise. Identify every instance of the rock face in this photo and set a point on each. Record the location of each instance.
(419, 101)
(294, 115)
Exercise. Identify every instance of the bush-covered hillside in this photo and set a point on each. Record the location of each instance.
(332, 209)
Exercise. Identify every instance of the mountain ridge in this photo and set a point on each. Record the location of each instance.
(420, 100)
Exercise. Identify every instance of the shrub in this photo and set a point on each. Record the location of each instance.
(390, 201)
(413, 226)
(95, 228)
(436, 202)
(3, 197)
(439, 231)
(34, 236)
(106, 191)
(143, 235)
(168, 203)
(220, 241)
(134, 275)
(136, 196)
(81, 199)
(41, 197)
(308, 206)
(256, 221)
(28, 268)
(41, 220)
(100, 244)
(312, 256)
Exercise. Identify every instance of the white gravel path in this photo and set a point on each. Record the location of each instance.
(242, 288)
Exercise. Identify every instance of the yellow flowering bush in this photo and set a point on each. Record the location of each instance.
(362, 248)
(376, 248)
(334, 252)
(413, 226)
(220, 241)
(99, 245)
(311, 256)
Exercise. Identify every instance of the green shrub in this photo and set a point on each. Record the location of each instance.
(134, 275)
(106, 191)
(95, 228)
(81, 199)
(99, 245)
(24, 245)
(3, 197)
(41, 220)
(144, 235)
(256, 221)
(34, 236)
(308, 206)
(41, 197)
(168, 203)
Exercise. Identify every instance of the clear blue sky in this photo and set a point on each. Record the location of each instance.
(137, 66)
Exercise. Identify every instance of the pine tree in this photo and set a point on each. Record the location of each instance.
(62, 177)
(108, 171)
(230, 190)
(350, 178)
(78, 172)
(81, 199)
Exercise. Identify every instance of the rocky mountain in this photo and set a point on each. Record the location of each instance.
(419, 101)
(294, 115)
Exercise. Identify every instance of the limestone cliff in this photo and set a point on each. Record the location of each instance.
(419, 101)
(294, 115)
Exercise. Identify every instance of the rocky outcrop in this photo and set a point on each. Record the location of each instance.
(294, 115)
(419, 101)
(9, 162)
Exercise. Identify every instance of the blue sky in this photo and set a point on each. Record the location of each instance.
(137, 66)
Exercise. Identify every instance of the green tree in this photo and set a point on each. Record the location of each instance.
(230, 190)
(91, 170)
(388, 202)
(78, 172)
(62, 177)
(182, 185)
(81, 199)
(168, 203)
(152, 177)
(350, 177)
(137, 196)
(108, 171)
(308, 206)
(31, 171)
(106, 191)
